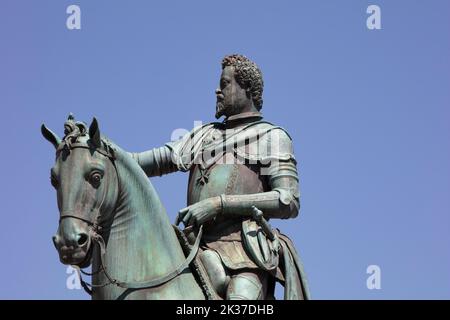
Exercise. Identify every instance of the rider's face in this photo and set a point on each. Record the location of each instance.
(231, 97)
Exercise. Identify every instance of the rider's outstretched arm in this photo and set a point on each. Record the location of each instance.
(155, 162)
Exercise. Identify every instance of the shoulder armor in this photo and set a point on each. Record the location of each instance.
(184, 149)
(271, 143)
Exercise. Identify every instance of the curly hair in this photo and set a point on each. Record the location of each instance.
(248, 75)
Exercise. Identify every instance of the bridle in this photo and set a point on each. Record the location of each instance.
(95, 230)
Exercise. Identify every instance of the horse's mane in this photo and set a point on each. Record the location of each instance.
(78, 132)
(73, 130)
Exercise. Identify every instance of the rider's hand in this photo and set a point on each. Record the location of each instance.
(200, 212)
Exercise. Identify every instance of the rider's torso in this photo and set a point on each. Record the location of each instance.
(224, 177)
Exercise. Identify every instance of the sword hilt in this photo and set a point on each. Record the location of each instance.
(262, 222)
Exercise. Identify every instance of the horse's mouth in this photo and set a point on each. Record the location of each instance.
(87, 258)
(80, 257)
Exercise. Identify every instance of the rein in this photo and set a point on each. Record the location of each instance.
(98, 239)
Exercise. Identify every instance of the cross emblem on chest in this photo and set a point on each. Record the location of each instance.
(204, 176)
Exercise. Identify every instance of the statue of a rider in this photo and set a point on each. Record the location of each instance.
(242, 172)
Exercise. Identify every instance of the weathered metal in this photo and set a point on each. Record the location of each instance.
(242, 172)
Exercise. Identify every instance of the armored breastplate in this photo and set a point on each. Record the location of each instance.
(224, 177)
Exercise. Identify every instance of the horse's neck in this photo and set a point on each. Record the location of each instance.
(142, 230)
(142, 244)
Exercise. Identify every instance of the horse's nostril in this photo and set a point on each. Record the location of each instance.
(82, 239)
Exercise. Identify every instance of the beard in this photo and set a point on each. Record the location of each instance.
(220, 109)
(226, 110)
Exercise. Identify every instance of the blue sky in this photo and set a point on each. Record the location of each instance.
(368, 111)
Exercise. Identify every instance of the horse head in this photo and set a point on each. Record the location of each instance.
(86, 182)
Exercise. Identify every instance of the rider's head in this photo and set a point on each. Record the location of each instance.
(241, 86)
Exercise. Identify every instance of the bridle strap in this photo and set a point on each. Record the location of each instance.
(82, 145)
(63, 216)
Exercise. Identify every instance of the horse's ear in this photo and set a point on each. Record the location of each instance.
(94, 133)
(50, 136)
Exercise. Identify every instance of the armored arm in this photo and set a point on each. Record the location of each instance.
(155, 162)
(169, 158)
(283, 201)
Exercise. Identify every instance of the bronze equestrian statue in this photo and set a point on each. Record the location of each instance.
(242, 172)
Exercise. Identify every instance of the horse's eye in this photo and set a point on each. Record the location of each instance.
(54, 181)
(95, 179)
